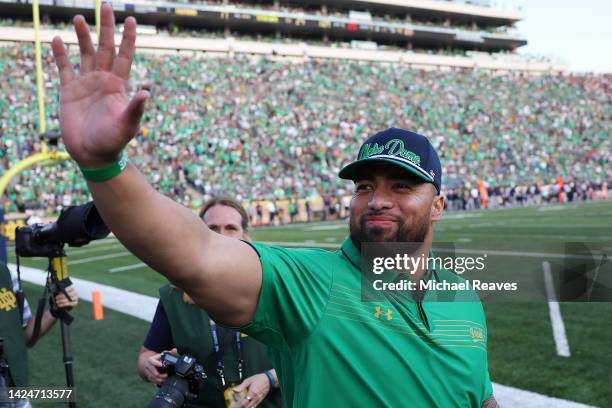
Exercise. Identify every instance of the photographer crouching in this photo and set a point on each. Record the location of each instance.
(17, 331)
(238, 371)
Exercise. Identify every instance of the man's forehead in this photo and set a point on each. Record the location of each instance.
(222, 215)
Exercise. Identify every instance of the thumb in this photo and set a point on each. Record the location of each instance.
(133, 112)
(174, 351)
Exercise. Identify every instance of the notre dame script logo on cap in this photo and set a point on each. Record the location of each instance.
(394, 147)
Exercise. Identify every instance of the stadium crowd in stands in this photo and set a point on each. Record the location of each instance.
(257, 128)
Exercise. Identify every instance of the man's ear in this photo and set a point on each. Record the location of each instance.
(437, 208)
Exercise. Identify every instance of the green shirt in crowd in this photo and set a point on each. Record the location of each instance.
(331, 349)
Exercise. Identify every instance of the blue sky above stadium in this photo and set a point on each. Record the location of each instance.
(577, 31)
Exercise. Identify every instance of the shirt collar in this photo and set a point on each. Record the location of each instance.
(350, 251)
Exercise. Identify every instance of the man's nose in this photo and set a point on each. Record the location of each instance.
(380, 199)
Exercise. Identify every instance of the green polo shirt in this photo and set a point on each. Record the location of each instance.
(330, 348)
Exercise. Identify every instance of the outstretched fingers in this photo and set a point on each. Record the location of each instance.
(88, 53)
(123, 62)
(133, 112)
(61, 60)
(106, 48)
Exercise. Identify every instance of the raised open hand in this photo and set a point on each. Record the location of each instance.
(96, 118)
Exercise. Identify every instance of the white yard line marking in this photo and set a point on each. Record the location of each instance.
(558, 328)
(100, 248)
(103, 241)
(127, 268)
(98, 258)
(515, 397)
(130, 303)
(73, 252)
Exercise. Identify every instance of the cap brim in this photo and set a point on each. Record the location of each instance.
(349, 172)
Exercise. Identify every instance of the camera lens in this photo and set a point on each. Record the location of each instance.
(171, 394)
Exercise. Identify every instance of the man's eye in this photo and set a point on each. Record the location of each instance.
(402, 186)
(362, 187)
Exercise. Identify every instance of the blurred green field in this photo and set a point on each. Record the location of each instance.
(521, 347)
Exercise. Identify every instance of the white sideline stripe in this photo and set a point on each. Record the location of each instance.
(130, 303)
(558, 328)
(515, 397)
(100, 248)
(143, 307)
(127, 268)
(102, 241)
(98, 258)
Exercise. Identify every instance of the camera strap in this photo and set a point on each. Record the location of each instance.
(40, 309)
(219, 349)
(19, 293)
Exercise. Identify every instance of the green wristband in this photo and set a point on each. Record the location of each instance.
(107, 172)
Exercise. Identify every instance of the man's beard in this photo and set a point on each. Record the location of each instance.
(359, 233)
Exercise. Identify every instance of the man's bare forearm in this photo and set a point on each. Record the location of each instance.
(176, 243)
(46, 323)
(156, 229)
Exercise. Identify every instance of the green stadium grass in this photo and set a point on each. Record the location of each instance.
(521, 347)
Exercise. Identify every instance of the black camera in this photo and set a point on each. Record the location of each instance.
(76, 226)
(185, 376)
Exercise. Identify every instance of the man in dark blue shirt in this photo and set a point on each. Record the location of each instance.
(181, 326)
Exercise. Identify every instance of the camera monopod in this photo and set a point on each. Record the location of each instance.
(57, 282)
(76, 226)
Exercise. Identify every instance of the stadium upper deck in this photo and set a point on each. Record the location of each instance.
(423, 24)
